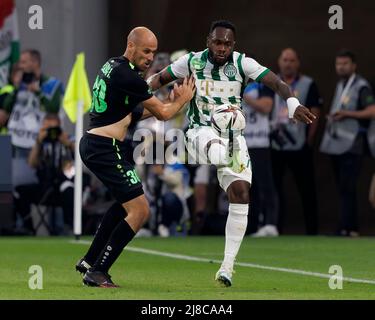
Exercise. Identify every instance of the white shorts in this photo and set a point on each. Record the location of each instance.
(196, 142)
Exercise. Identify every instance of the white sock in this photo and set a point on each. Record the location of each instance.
(234, 232)
(217, 154)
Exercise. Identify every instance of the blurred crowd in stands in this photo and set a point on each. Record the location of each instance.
(186, 199)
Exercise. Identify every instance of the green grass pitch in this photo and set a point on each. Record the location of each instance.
(146, 276)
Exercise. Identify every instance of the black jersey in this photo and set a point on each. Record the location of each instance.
(117, 90)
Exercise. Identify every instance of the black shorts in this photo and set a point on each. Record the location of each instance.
(106, 158)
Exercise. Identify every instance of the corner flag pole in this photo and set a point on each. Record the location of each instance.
(78, 173)
(77, 101)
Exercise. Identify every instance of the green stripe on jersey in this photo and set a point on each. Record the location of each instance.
(215, 73)
(239, 62)
(190, 111)
(242, 73)
(233, 78)
(15, 49)
(190, 57)
(196, 118)
(262, 75)
(232, 99)
(205, 111)
(194, 113)
(169, 69)
(218, 100)
(204, 57)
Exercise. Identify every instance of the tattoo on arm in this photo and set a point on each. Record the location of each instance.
(153, 82)
(159, 79)
(272, 81)
(162, 78)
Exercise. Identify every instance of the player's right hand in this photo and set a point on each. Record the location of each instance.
(303, 114)
(186, 90)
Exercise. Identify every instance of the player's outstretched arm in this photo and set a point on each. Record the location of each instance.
(159, 79)
(296, 110)
(165, 111)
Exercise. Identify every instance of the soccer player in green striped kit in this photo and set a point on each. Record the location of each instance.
(220, 74)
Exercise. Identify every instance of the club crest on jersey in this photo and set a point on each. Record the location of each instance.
(198, 64)
(230, 70)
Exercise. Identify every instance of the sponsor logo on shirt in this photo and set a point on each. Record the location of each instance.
(198, 64)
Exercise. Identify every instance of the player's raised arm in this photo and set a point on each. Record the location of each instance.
(296, 110)
(177, 70)
(159, 79)
(165, 111)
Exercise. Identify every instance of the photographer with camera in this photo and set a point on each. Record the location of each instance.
(53, 158)
(35, 95)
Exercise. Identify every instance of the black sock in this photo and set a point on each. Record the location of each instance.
(120, 237)
(113, 216)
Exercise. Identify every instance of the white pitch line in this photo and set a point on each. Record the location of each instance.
(242, 264)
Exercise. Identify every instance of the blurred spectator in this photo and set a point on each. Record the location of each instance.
(167, 189)
(292, 142)
(53, 157)
(36, 95)
(349, 134)
(161, 60)
(257, 104)
(174, 211)
(6, 94)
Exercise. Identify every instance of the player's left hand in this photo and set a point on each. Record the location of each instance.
(186, 90)
(303, 114)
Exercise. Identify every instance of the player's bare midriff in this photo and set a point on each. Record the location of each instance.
(116, 130)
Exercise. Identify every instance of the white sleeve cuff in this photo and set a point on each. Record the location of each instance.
(292, 103)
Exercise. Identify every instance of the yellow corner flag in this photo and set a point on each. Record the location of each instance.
(77, 89)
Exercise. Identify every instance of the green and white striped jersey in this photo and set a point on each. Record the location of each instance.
(215, 84)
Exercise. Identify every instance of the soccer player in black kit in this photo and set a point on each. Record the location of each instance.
(117, 91)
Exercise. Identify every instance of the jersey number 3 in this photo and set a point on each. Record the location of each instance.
(98, 98)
